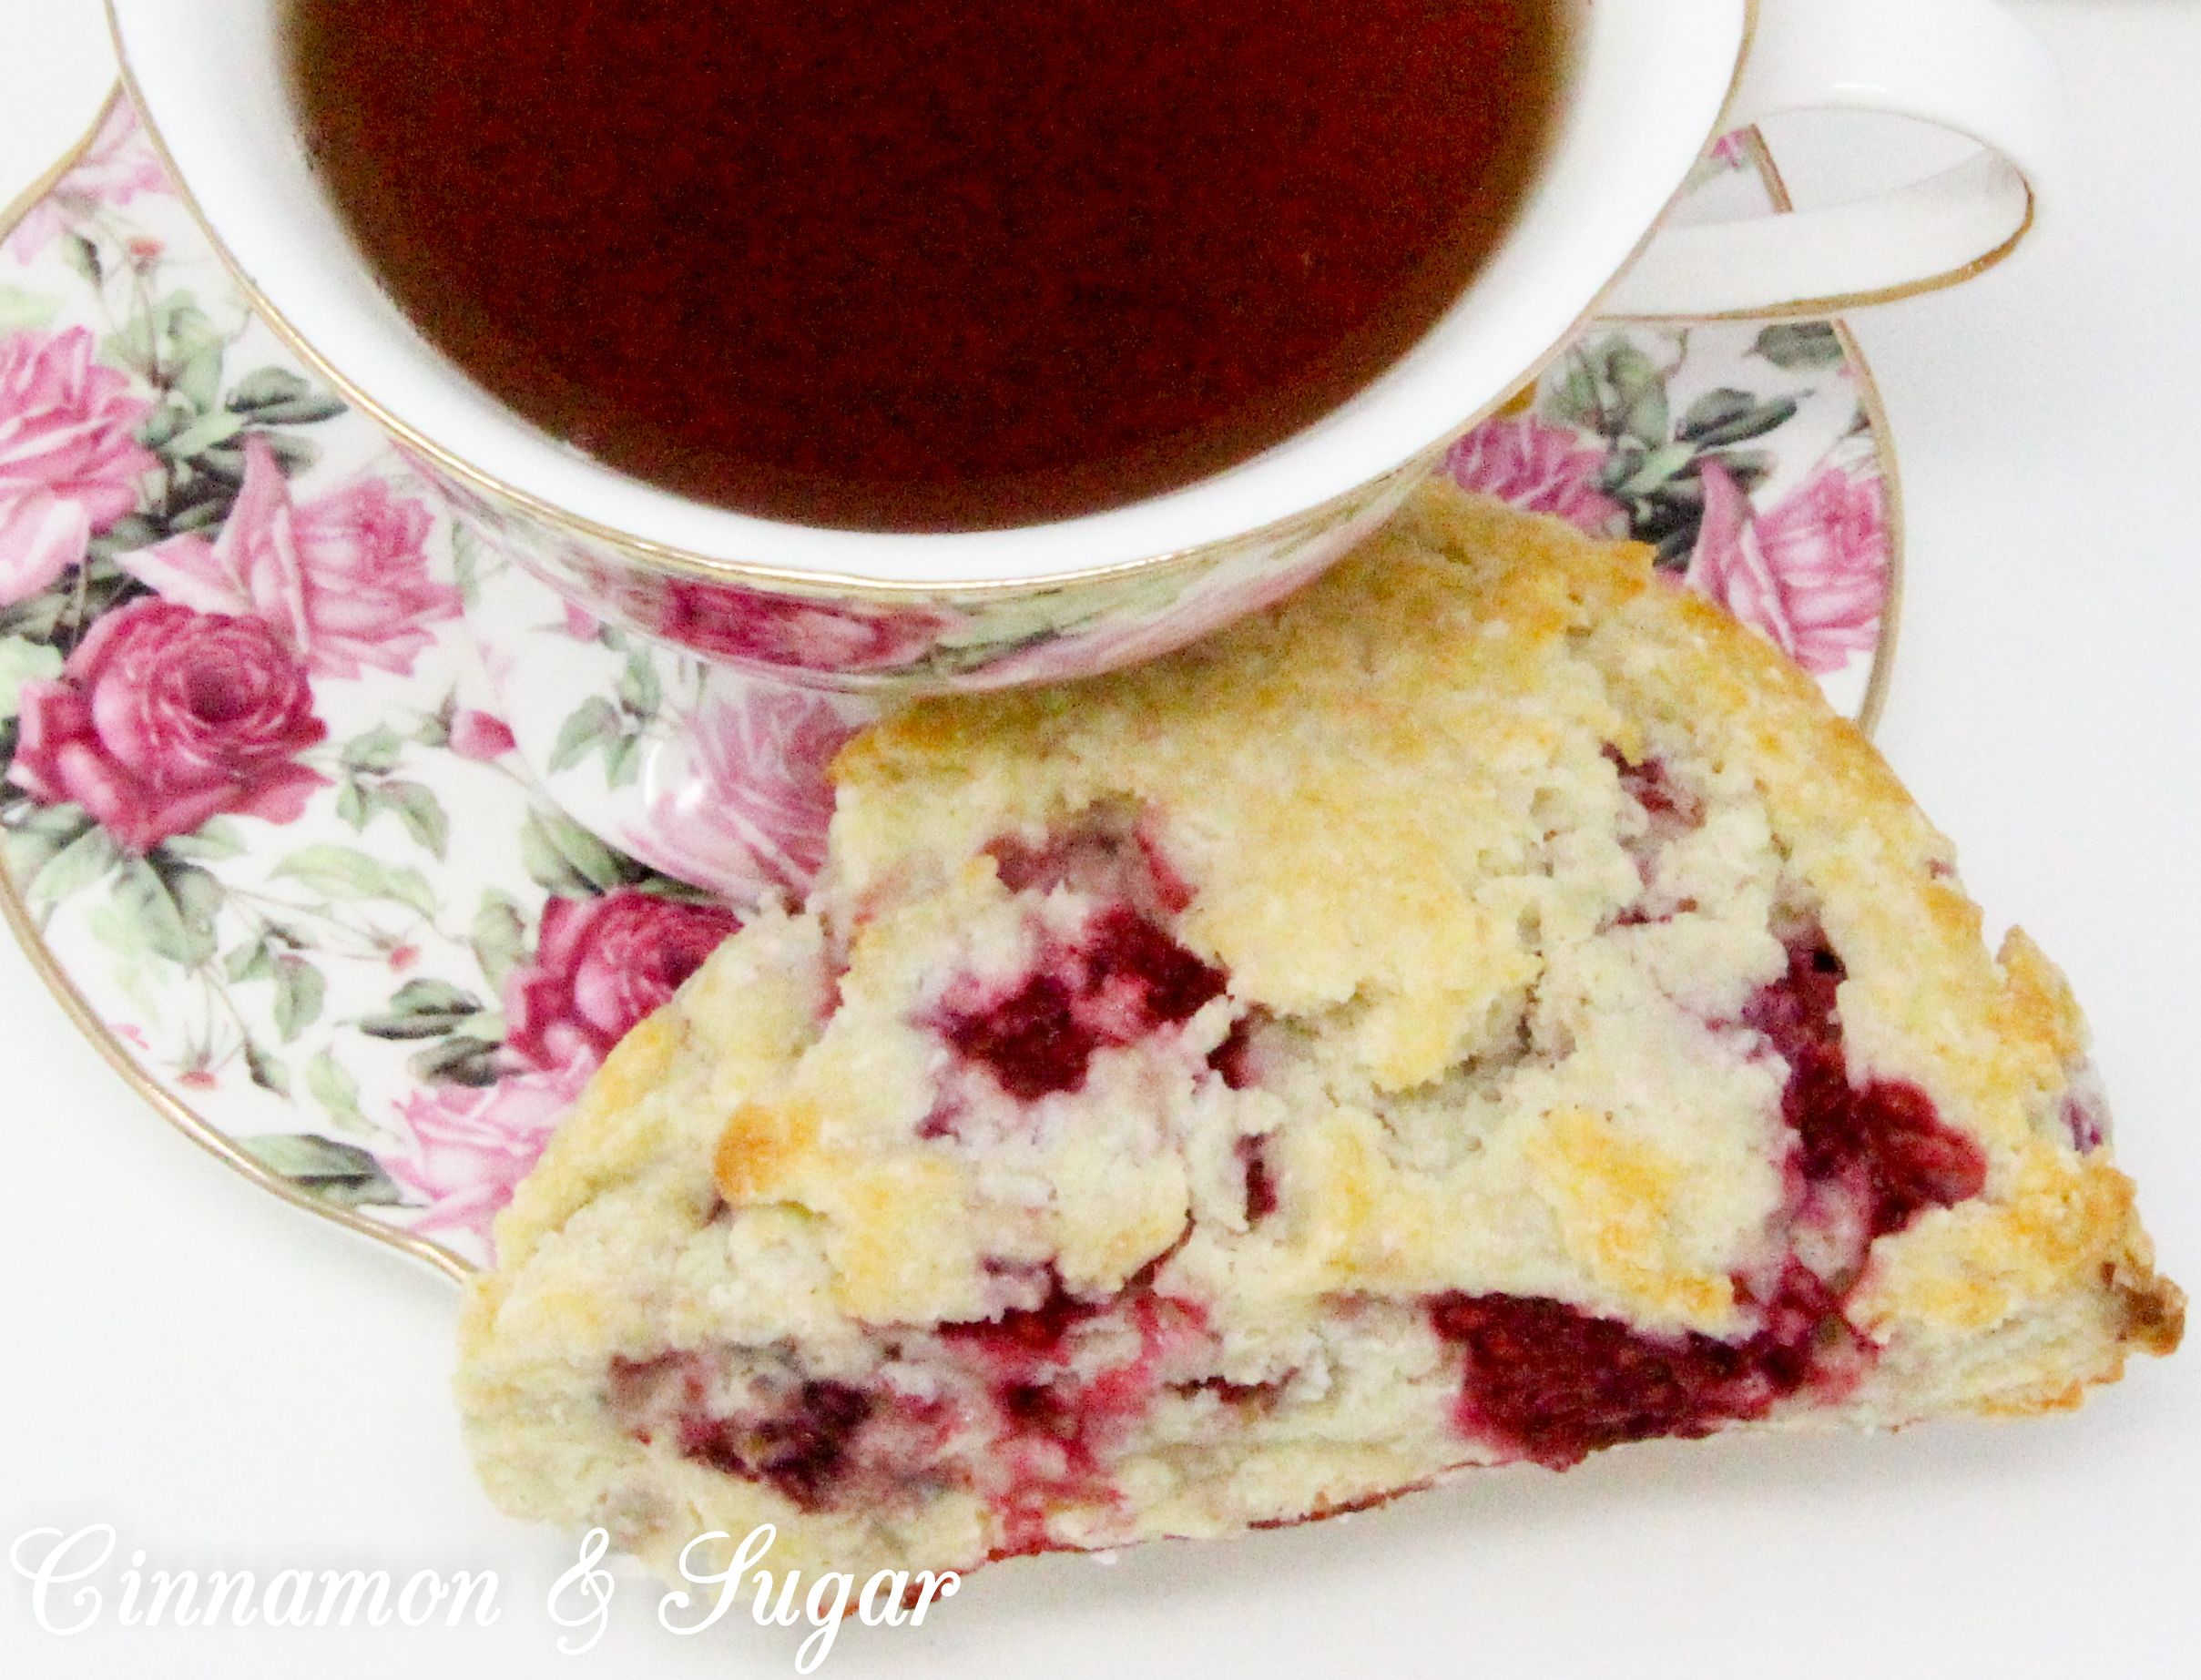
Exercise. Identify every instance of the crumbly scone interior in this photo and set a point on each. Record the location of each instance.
(1485, 1009)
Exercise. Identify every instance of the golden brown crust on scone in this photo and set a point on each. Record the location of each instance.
(1185, 1082)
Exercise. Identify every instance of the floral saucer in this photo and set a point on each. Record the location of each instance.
(356, 849)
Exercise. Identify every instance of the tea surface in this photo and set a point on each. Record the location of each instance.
(901, 265)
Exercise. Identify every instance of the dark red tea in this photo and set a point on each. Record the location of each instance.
(924, 264)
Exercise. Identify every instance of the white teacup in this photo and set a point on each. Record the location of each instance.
(977, 609)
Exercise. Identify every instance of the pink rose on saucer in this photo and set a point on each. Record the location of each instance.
(750, 818)
(164, 718)
(69, 458)
(480, 737)
(1539, 469)
(602, 964)
(749, 626)
(1812, 575)
(113, 169)
(1731, 150)
(471, 1145)
(345, 578)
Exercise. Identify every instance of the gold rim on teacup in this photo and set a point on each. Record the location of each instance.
(1741, 56)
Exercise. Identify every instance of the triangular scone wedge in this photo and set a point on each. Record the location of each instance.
(1486, 1008)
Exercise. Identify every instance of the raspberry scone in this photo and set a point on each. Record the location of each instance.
(1485, 1009)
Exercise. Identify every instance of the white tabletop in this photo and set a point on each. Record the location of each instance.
(233, 1385)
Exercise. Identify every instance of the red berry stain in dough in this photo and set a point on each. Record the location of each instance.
(1121, 980)
(1108, 851)
(1037, 1332)
(1058, 1417)
(797, 1444)
(1030, 1040)
(1261, 1184)
(1884, 1143)
(1652, 785)
(1552, 1383)
(1233, 1058)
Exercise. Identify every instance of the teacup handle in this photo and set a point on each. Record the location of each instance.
(1965, 65)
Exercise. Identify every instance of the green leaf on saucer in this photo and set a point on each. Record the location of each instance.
(640, 693)
(278, 397)
(1668, 460)
(52, 867)
(267, 1069)
(83, 256)
(299, 991)
(227, 460)
(460, 1059)
(420, 810)
(186, 327)
(123, 935)
(254, 959)
(215, 841)
(566, 858)
(1571, 401)
(623, 761)
(678, 891)
(295, 453)
(202, 435)
(203, 513)
(435, 728)
(1645, 416)
(465, 566)
(1722, 417)
(425, 996)
(343, 872)
(1748, 468)
(499, 937)
(172, 904)
(595, 725)
(21, 310)
(164, 422)
(131, 531)
(22, 662)
(353, 805)
(330, 1084)
(423, 1009)
(376, 752)
(198, 380)
(335, 1172)
(1801, 346)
